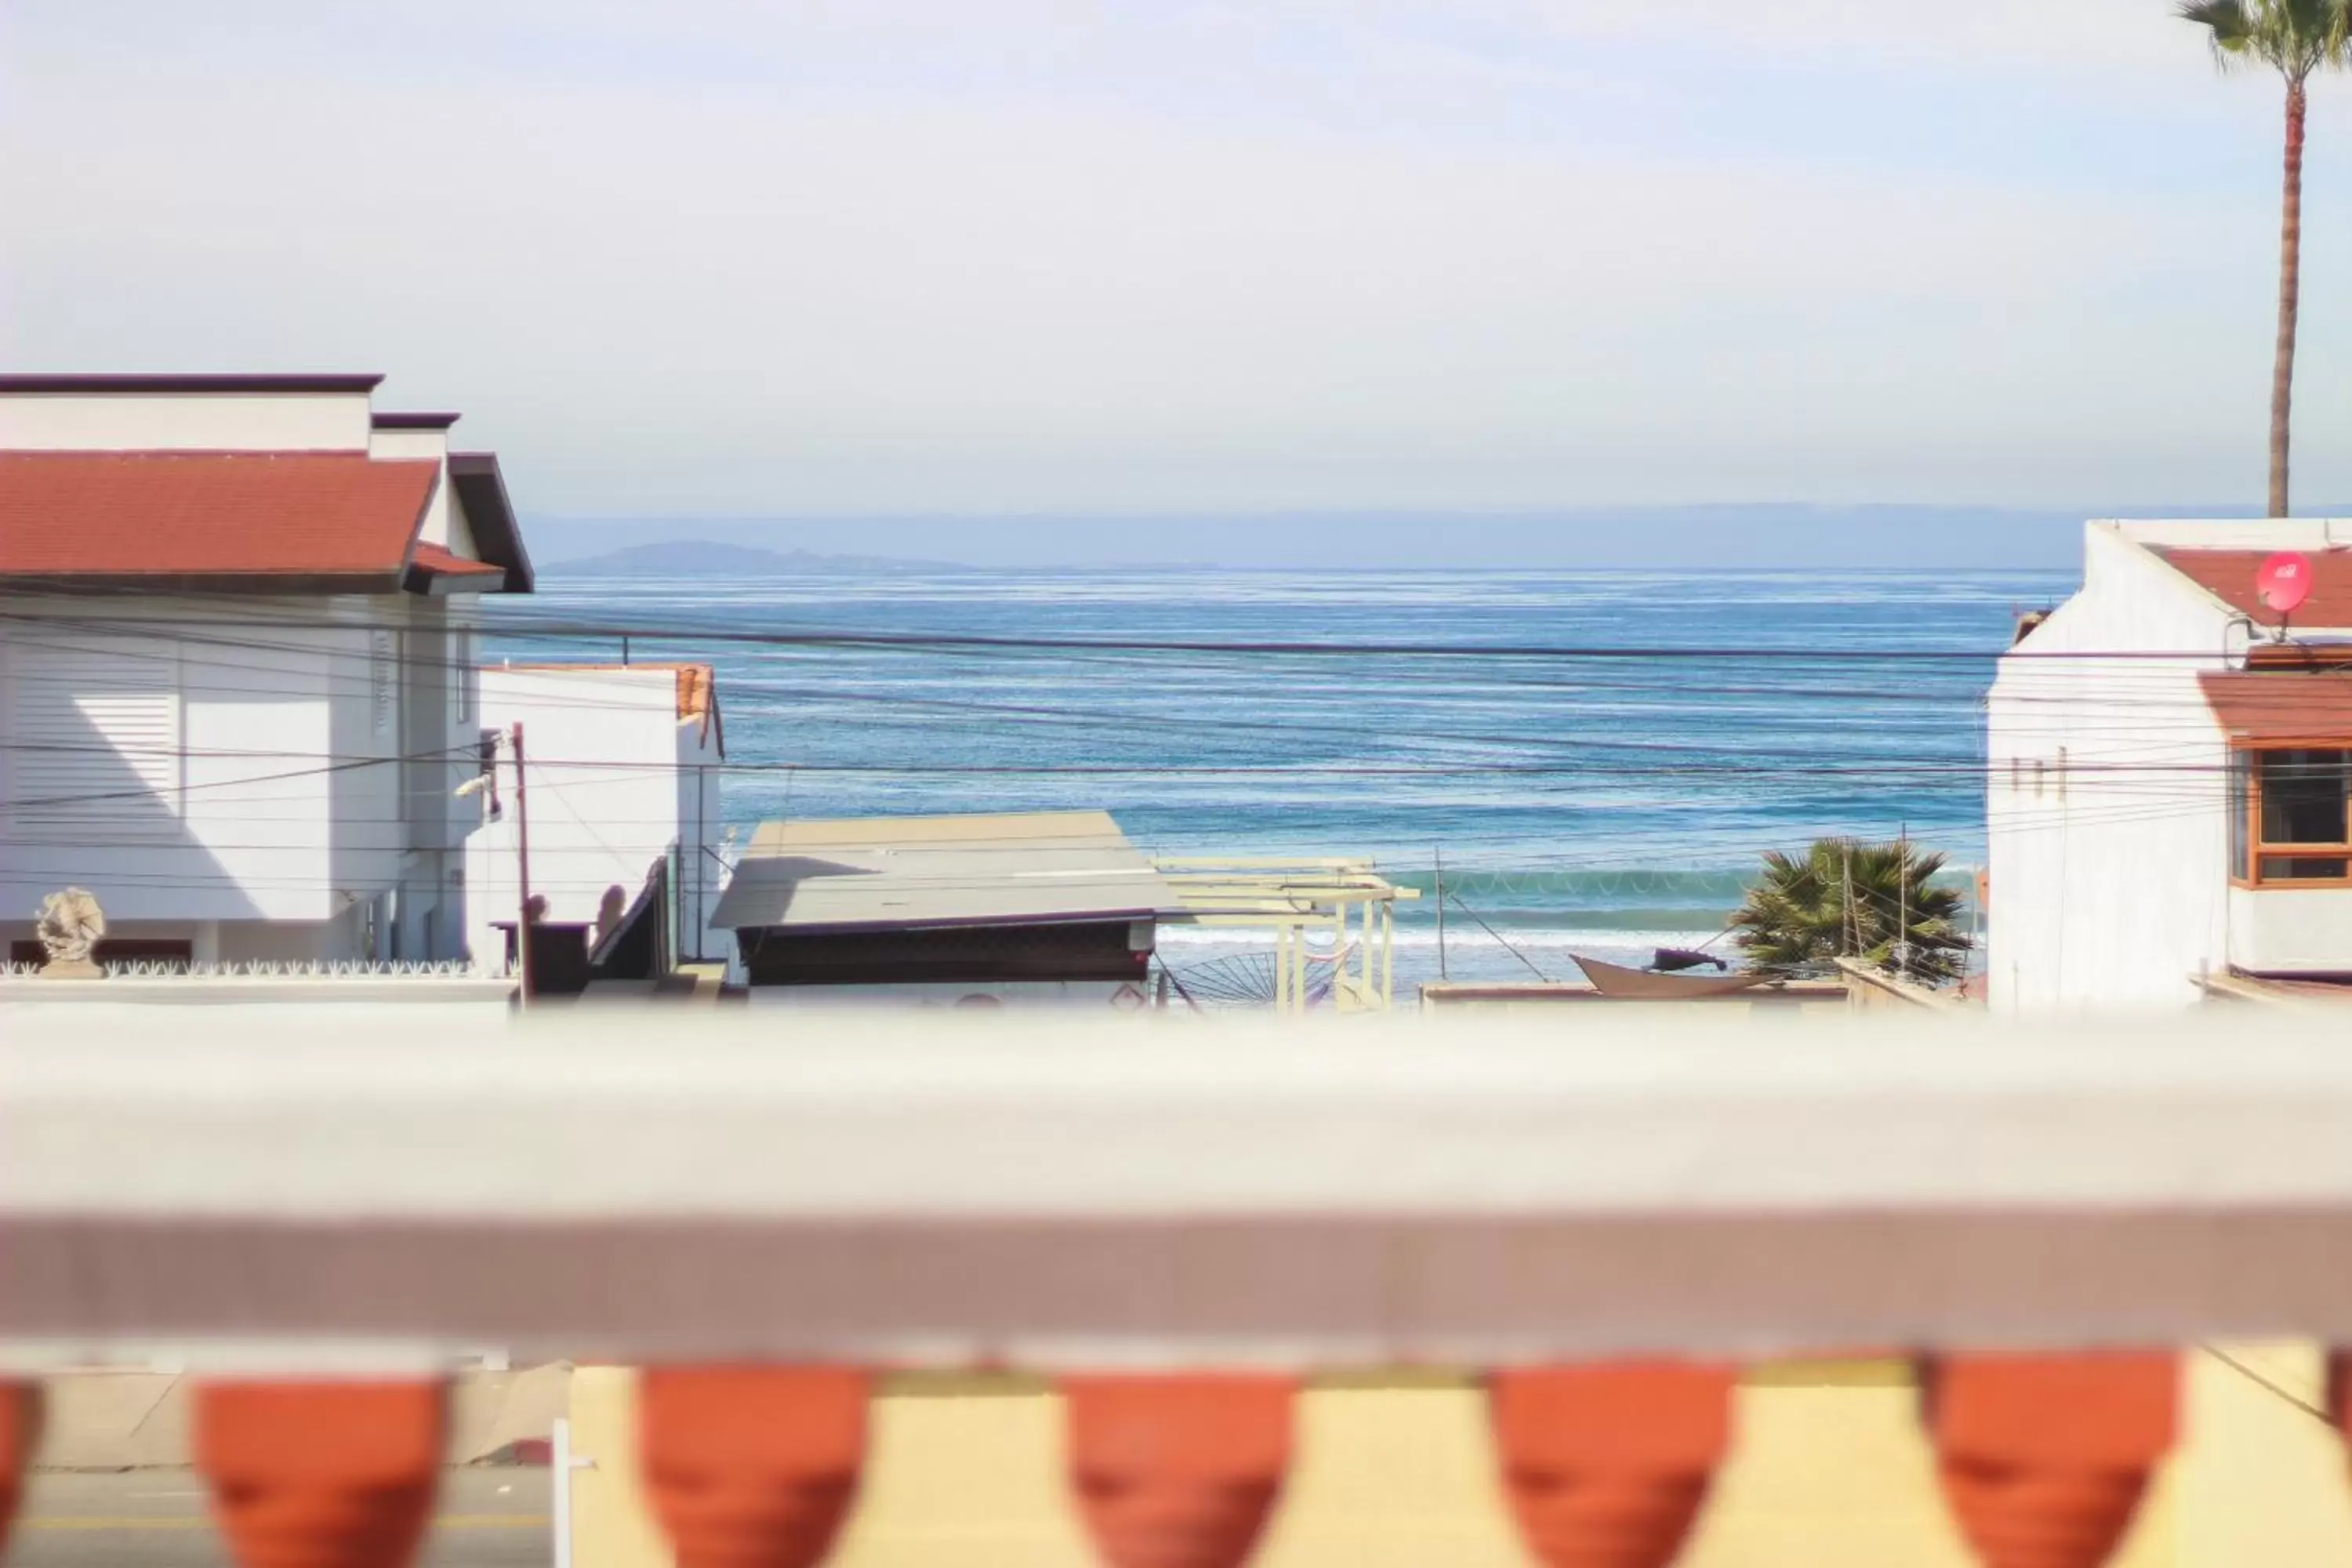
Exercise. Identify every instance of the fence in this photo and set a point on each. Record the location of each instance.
(1598, 1231)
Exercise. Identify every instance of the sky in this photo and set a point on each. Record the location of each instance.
(999, 259)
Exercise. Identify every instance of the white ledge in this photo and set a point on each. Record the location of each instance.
(929, 1190)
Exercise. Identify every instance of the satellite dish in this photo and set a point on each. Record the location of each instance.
(2284, 582)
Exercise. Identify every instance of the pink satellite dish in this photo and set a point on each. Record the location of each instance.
(2284, 582)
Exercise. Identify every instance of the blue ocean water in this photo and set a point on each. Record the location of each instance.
(1602, 802)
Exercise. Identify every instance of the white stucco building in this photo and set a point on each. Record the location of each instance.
(622, 765)
(2168, 773)
(237, 631)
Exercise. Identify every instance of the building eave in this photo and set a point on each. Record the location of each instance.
(481, 490)
(81, 385)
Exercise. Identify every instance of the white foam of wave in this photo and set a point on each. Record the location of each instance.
(1462, 937)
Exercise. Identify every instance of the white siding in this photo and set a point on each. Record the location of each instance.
(613, 786)
(95, 741)
(274, 808)
(2107, 812)
(189, 422)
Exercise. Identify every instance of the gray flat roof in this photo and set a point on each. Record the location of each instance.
(865, 873)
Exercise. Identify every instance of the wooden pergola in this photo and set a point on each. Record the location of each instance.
(1346, 898)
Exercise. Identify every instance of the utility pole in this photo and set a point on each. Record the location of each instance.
(1849, 924)
(1902, 900)
(522, 867)
(1976, 918)
(1440, 913)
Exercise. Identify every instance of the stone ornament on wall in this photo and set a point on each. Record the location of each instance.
(69, 924)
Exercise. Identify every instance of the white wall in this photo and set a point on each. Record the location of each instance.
(2106, 804)
(289, 799)
(2235, 533)
(444, 516)
(612, 787)
(2291, 930)
(191, 421)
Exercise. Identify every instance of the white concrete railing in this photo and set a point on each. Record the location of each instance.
(943, 1191)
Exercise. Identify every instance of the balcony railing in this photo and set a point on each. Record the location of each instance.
(1177, 1225)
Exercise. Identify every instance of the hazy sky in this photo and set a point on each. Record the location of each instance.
(1004, 256)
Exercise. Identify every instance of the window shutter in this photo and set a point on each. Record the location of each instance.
(381, 686)
(97, 742)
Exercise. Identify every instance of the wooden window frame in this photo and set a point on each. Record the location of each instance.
(2258, 848)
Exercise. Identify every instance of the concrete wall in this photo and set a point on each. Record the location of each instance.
(1830, 1469)
(1870, 988)
(2260, 1478)
(188, 422)
(2106, 805)
(2287, 930)
(616, 778)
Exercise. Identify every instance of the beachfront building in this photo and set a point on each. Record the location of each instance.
(621, 770)
(1030, 908)
(1049, 908)
(238, 618)
(2169, 765)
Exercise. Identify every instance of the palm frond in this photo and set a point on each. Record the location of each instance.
(1878, 902)
(2295, 37)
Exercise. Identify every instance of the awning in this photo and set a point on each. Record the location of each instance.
(2312, 706)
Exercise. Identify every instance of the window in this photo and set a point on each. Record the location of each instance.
(2292, 810)
(380, 688)
(462, 668)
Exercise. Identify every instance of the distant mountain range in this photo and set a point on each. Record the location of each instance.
(706, 557)
(1768, 536)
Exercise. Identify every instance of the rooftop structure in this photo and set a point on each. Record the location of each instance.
(2171, 789)
(235, 664)
(1342, 900)
(1024, 906)
(928, 872)
(622, 766)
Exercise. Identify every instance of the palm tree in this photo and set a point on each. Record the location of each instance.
(2295, 38)
(1842, 897)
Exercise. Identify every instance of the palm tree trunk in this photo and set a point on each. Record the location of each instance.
(2290, 299)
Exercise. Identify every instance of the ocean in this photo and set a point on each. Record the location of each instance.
(1608, 795)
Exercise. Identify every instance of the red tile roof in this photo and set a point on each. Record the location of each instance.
(197, 514)
(2229, 574)
(2305, 705)
(436, 558)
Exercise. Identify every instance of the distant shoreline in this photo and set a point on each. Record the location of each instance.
(596, 567)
